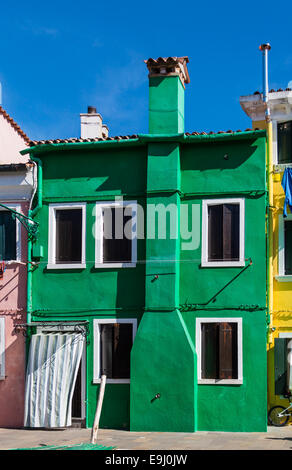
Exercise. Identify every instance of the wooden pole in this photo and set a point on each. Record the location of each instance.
(98, 410)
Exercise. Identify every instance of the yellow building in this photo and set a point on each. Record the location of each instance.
(280, 327)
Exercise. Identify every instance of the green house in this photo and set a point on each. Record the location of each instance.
(150, 268)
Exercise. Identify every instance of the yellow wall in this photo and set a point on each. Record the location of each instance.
(281, 315)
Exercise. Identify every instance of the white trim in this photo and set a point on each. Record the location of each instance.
(100, 205)
(2, 348)
(199, 322)
(285, 335)
(52, 236)
(96, 347)
(17, 208)
(223, 264)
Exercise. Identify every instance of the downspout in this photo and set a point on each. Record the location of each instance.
(265, 48)
(31, 214)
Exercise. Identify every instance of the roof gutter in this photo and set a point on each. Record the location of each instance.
(31, 214)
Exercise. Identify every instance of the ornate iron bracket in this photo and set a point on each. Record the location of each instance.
(31, 226)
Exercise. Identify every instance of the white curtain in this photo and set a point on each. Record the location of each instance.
(52, 369)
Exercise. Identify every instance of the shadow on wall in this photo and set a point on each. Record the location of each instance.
(219, 155)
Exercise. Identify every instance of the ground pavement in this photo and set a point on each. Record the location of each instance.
(274, 439)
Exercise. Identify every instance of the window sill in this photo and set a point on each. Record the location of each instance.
(284, 278)
(112, 381)
(114, 265)
(66, 266)
(222, 264)
(220, 381)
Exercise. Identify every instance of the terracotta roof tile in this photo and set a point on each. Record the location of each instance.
(273, 91)
(13, 124)
(72, 140)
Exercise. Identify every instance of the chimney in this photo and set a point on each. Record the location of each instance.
(91, 124)
(167, 79)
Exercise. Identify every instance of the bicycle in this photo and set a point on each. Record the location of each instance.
(279, 415)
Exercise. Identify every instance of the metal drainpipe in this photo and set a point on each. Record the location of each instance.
(31, 214)
(265, 49)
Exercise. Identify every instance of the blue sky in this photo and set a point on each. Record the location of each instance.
(58, 57)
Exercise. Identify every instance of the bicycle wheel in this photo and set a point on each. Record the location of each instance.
(274, 417)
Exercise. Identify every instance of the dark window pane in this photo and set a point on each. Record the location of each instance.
(215, 232)
(219, 351)
(210, 348)
(285, 142)
(288, 246)
(115, 349)
(223, 232)
(7, 236)
(68, 236)
(116, 246)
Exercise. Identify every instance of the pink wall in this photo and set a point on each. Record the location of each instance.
(13, 309)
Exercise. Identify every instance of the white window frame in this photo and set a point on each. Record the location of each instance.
(100, 205)
(199, 322)
(96, 346)
(52, 236)
(16, 208)
(282, 277)
(275, 122)
(2, 348)
(223, 264)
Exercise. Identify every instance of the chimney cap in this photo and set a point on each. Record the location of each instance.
(91, 110)
(169, 66)
(265, 46)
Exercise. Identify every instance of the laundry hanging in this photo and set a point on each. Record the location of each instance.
(51, 375)
(287, 186)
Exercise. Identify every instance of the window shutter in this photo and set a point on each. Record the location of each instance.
(230, 232)
(227, 351)
(106, 350)
(280, 361)
(2, 348)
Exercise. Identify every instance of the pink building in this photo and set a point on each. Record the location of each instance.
(17, 182)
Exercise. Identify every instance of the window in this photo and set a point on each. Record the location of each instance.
(10, 235)
(285, 248)
(2, 348)
(223, 233)
(67, 236)
(113, 340)
(283, 364)
(219, 350)
(116, 237)
(284, 131)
